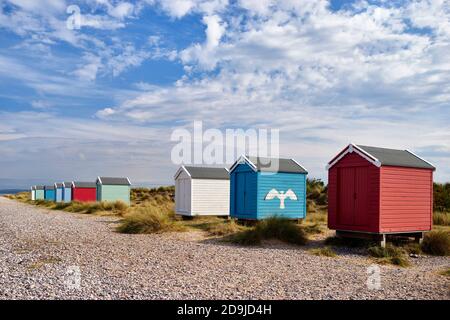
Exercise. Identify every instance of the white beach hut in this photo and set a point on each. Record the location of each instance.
(202, 191)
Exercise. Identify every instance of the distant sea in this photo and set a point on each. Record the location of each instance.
(11, 191)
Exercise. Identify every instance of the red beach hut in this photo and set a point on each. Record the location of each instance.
(84, 191)
(379, 191)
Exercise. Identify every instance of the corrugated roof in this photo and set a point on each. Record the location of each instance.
(208, 173)
(39, 187)
(49, 187)
(394, 157)
(59, 185)
(83, 184)
(67, 184)
(277, 165)
(115, 181)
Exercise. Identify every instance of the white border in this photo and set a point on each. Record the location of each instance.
(354, 148)
(180, 169)
(299, 165)
(240, 160)
(421, 158)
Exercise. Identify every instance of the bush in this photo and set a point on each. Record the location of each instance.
(148, 219)
(437, 243)
(272, 228)
(390, 254)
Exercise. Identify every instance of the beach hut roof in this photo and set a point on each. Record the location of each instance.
(384, 156)
(67, 184)
(83, 184)
(49, 187)
(39, 187)
(205, 172)
(264, 164)
(120, 181)
(58, 185)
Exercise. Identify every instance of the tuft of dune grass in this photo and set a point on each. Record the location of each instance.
(214, 226)
(441, 218)
(390, 254)
(325, 252)
(272, 228)
(436, 243)
(149, 219)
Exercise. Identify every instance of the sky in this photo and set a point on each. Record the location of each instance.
(97, 87)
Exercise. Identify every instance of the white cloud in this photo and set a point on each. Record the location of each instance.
(122, 10)
(41, 5)
(177, 8)
(372, 74)
(40, 104)
(324, 78)
(181, 8)
(205, 54)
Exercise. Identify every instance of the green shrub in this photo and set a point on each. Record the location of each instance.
(437, 243)
(272, 228)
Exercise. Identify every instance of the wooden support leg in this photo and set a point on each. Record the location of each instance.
(419, 238)
(383, 241)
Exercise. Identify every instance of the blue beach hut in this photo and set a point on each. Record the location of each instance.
(49, 193)
(265, 187)
(58, 192)
(67, 191)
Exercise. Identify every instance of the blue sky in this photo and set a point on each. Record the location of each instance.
(104, 98)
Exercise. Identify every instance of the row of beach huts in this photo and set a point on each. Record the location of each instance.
(103, 189)
(371, 191)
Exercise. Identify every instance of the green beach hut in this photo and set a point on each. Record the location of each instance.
(39, 193)
(113, 189)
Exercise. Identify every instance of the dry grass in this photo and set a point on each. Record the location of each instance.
(445, 272)
(391, 254)
(116, 207)
(148, 219)
(315, 221)
(325, 252)
(272, 228)
(441, 218)
(437, 243)
(42, 262)
(155, 215)
(215, 226)
(24, 196)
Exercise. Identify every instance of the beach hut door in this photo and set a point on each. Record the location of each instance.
(353, 202)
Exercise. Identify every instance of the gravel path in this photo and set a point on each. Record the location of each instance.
(40, 248)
